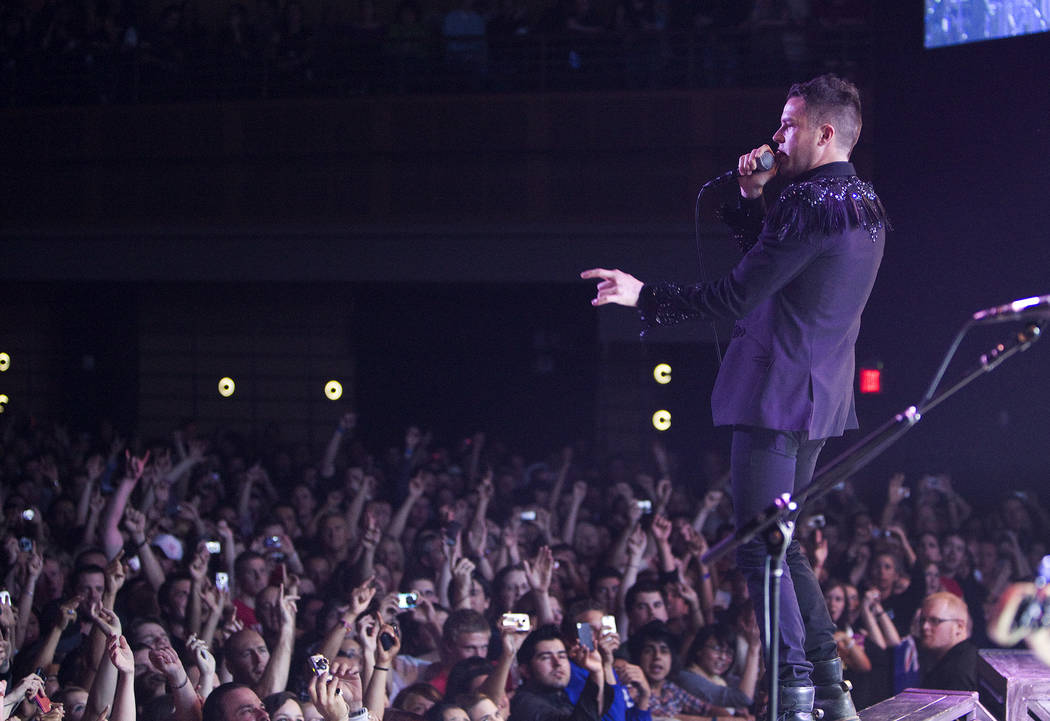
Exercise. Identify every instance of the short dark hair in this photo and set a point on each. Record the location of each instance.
(643, 586)
(242, 561)
(437, 711)
(720, 632)
(580, 605)
(831, 99)
(463, 620)
(275, 700)
(212, 710)
(548, 632)
(654, 632)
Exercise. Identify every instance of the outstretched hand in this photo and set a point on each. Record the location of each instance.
(615, 286)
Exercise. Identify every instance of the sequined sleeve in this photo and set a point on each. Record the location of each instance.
(663, 304)
(744, 220)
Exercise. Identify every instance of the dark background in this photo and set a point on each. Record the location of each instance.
(455, 289)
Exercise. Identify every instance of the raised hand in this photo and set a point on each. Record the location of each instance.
(462, 574)
(687, 593)
(94, 467)
(820, 548)
(204, 658)
(348, 422)
(288, 607)
(67, 612)
(607, 643)
(198, 568)
(661, 529)
(896, 491)
(586, 658)
(107, 621)
(361, 596)
(384, 656)
(225, 533)
(367, 628)
(663, 491)
(540, 571)
(97, 502)
(166, 660)
(633, 676)
(116, 574)
(120, 654)
(135, 466)
(135, 524)
(636, 544)
(327, 695)
(579, 492)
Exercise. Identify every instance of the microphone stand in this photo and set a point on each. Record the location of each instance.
(776, 523)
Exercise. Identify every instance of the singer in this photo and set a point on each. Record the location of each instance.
(786, 384)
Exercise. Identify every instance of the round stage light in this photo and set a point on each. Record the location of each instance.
(4, 400)
(662, 373)
(333, 390)
(5, 362)
(662, 420)
(226, 387)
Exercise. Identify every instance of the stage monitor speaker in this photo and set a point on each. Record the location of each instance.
(1014, 684)
(920, 704)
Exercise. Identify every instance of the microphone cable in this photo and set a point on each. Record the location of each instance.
(700, 260)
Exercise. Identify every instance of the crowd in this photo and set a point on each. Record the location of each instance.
(90, 51)
(216, 577)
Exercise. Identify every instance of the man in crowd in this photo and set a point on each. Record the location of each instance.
(950, 656)
(544, 664)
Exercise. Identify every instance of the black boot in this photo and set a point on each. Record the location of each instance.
(832, 693)
(796, 704)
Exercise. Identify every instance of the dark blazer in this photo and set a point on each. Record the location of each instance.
(797, 294)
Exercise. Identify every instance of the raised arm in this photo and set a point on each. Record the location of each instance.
(387, 648)
(495, 684)
(397, 523)
(104, 685)
(896, 492)
(112, 541)
(187, 703)
(275, 676)
(356, 507)
(540, 572)
(34, 567)
(343, 429)
(135, 522)
(559, 482)
(67, 614)
(579, 494)
(124, 699)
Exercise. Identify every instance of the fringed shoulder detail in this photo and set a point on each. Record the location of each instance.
(827, 205)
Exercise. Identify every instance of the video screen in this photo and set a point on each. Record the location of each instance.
(953, 22)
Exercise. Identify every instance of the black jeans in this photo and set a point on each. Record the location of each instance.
(764, 464)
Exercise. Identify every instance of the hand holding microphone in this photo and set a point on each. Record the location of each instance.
(755, 169)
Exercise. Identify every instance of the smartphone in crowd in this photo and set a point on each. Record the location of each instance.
(518, 621)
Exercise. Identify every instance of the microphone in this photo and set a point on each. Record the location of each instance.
(1034, 308)
(765, 162)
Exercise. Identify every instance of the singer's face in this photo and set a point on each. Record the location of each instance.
(797, 142)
